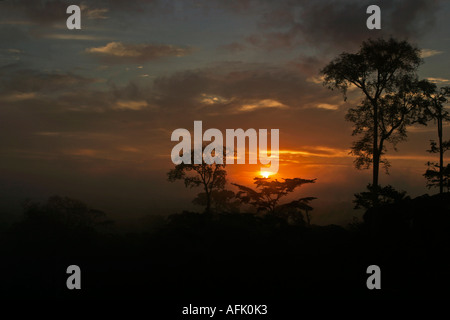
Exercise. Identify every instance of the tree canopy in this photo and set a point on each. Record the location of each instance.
(268, 193)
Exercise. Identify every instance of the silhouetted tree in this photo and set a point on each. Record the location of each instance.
(221, 201)
(437, 175)
(385, 195)
(289, 211)
(212, 177)
(64, 213)
(384, 70)
(268, 193)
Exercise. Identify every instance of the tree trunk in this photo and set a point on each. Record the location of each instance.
(308, 218)
(376, 154)
(441, 156)
(208, 201)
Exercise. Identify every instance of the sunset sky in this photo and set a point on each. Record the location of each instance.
(89, 113)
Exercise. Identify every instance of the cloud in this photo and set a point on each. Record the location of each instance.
(118, 52)
(39, 12)
(19, 96)
(233, 47)
(262, 104)
(94, 13)
(138, 6)
(242, 105)
(316, 79)
(50, 12)
(70, 36)
(282, 24)
(16, 22)
(212, 99)
(329, 24)
(425, 53)
(318, 151)
(10, 55)
(83, 152)
(11, 34)
(130, 105)
(438, 80)
(309, 65)
(68, 92)
(238, 87)
(15, 51)
(328, 106)
(21, 82)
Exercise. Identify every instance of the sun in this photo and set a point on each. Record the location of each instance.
(265, 174)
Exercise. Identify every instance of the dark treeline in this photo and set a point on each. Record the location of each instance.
(229, 256)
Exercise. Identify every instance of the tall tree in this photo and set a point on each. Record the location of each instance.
(436, 111)
(381, 67)
(212, 177)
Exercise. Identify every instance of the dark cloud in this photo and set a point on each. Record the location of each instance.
(151, 6)
(308, 65)
(344, 23)
(233, 47)
(42, 12)
(282, 24)
(35, 81)
(238, 87)
(11, 35)
(47, 94)
(288, 24)
(118, 52)
(225, 88)
(50, 12)
(328, 20)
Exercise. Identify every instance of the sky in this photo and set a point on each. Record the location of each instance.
(89, 113)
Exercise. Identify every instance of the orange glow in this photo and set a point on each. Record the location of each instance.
(265, 174)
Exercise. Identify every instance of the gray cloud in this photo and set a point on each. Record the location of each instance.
(287, 24)
(13, 80)
(118, 52)
(50, 12)
(42, 12)
(308, 65)
(225, 89)
(11, 35)
(237, 84)
(233, 47)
